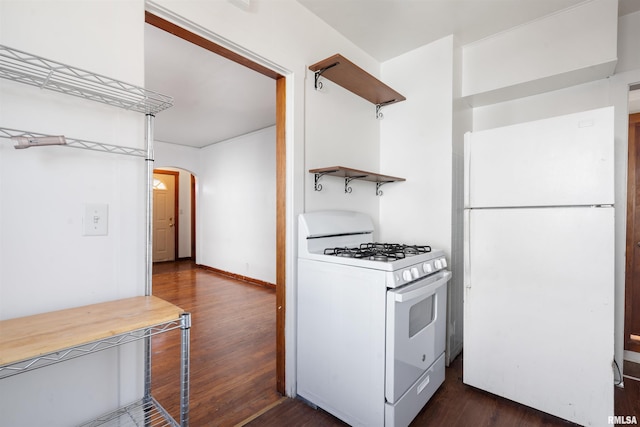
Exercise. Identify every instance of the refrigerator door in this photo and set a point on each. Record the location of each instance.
(539, 308)
(561, 161)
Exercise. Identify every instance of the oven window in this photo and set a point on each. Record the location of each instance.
(421, 315)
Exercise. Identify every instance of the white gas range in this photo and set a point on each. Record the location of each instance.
(371, 321)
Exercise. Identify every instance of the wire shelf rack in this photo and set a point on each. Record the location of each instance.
(43, 339)
(47, 74)
(76, 143)
(81, 350)
(145, 412)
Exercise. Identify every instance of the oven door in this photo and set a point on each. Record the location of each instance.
(416, 331)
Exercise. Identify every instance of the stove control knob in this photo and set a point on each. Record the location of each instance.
(406, 275)
(415, 273)
(444, 262)
(438, 264)
(427, 268)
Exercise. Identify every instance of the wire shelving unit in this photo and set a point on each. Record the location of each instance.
(22, 67)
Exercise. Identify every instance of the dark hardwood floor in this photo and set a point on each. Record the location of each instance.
(233, 365)
(233, 339)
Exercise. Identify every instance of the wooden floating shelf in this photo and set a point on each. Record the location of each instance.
(350, 174)
(345, 73)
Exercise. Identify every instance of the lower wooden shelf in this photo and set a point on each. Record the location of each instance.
(349, 174)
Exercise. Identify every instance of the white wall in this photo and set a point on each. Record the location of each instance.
(237, 206)
(173, 155)
(342, 130)
(421, 140)
(45, 261)
(628, 33)
(572, 46)
(233, 176)
(417, 145)
(235, 198)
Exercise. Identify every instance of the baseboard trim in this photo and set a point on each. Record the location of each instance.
(239, 277)
(261, 412)
(632, 356)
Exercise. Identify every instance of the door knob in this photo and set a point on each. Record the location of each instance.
(171, 225)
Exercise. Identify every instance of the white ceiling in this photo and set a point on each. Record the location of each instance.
(217, 99)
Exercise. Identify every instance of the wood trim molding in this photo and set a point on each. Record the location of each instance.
(634, 128)
(193, 217)
(238, 277)
(184, 34)
(281, 232)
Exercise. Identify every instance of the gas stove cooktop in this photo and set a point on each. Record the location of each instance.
(379, 251)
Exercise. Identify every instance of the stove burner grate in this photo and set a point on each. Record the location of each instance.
(379, 251)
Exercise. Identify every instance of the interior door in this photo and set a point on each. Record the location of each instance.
(164, 216)
(632, 282)
(539, 308)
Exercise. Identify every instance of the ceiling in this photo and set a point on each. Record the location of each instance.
(216, 99)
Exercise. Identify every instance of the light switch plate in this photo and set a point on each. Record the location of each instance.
(96, 219)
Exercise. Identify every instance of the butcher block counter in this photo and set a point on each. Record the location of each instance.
(31, 336)
(39, 340)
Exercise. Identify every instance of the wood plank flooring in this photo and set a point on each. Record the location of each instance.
(232, 345)
(233, 379)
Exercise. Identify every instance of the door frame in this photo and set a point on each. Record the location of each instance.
(176, 207)
(281, 223)
(631, 247)
(192, 189)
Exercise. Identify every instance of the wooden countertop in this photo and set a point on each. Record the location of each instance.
(27, 337)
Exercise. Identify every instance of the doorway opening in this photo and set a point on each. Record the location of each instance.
(280, 155)
(173, 215)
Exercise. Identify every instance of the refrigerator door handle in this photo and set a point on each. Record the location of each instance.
(466, 256)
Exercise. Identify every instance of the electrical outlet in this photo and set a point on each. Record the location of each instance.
(96, 219)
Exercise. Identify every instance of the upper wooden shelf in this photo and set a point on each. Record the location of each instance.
(350, 174)
(341, 71)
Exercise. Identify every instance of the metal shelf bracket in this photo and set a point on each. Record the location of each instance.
(348, 179)
(380, 184)
(379, 114)
(318, 84)
(316, 184)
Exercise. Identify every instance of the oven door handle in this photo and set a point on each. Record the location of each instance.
(424, 290)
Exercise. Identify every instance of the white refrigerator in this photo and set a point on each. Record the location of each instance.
(539, 264)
